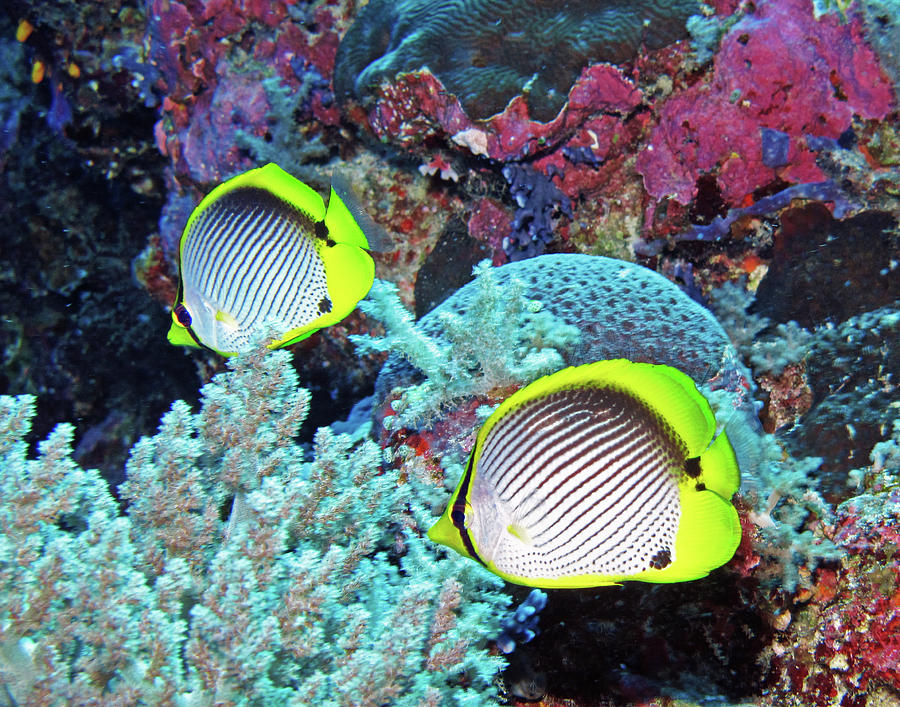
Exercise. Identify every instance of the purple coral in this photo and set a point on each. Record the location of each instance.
(521, 625)
(778, 68)
(775, 147)
(720, 226)
(539, 201)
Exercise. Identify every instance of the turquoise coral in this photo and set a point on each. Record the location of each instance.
(619, 308)
(294, 598)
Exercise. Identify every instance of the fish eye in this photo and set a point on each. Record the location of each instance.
(458, 515)
(182, 315)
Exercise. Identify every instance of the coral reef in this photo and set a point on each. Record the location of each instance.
(759, 80)
(500, 51)
(298, 595)
(521, 626)
(538, 200)
(756, 167)
(838, 645)
(536, 316)
(75, 209)
(850, 371)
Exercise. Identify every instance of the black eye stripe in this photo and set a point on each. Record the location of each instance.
(183, 316)
(458, 512)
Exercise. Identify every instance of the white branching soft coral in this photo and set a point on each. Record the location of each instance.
(239, 573)
(504, 338)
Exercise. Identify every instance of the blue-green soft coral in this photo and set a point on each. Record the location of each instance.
(521, 341)
(316, 589)
(518, 322)
(879, 484)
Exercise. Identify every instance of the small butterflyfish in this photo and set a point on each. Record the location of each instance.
(262, 250)
(594, 475)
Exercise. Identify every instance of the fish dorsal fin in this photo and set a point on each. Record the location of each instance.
(274, 179)
(671, 394)
(348, 222)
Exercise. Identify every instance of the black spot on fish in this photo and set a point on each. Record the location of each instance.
(692, 467)
(322, 232)
(701, 487)
(324, 305)
(661, 559)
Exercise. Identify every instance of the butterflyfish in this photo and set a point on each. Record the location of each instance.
(262, 250)
(594, 475)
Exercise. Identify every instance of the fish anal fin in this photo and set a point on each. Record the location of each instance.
(709, 532)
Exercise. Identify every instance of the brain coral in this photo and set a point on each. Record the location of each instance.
(622, 310)
(487, 52)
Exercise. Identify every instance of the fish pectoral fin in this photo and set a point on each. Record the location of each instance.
(227, 319)
(520, 533)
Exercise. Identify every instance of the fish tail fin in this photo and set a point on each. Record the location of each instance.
(719, 470)
(709, 530)
(349, 223)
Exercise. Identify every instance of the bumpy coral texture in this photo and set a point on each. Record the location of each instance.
(487, 52)
(212, 59)
(518, 322)
(621, 310)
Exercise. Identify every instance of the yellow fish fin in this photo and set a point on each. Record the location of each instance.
(517, 531)
(349, 223)
(709, 532)
(273, 179)
(671, 394)
(667, 391)
(719, 470)
(570, 582)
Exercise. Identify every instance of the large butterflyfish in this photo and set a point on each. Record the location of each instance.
(598, 474)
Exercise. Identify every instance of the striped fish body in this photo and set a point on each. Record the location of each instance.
(595, 475)
(261, 255)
